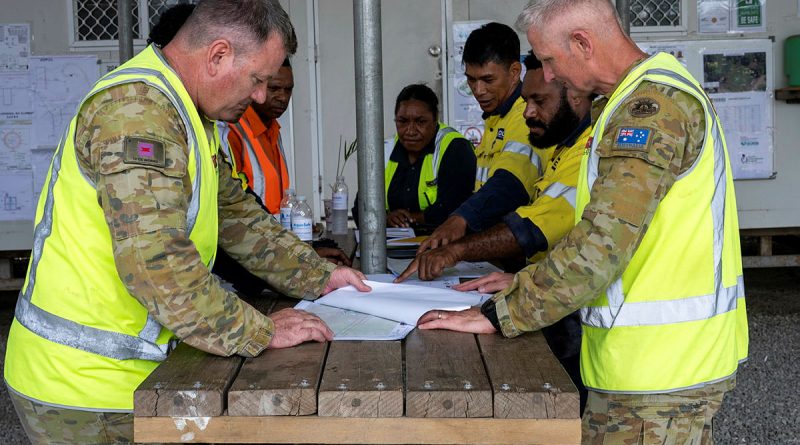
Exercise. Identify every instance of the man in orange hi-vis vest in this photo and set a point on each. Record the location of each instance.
(255, 146)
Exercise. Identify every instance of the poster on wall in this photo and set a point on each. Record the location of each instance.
(748, 16)
(676, 50)
(15, 49)
(713, 16)
(467, 113)
(731, 16)
(737, 76)
(736, 81)
(58, 83)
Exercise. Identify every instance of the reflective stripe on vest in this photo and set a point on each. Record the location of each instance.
(258, 171)
(675, 319)
(67, 332)
(427, 189)
(260, 177)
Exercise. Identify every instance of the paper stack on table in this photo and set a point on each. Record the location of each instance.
(388, 312)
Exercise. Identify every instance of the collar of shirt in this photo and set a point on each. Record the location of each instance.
(598, 105)
(570, 140)
(625, 74)
(506, 106)
(258, 126)
(400, 155)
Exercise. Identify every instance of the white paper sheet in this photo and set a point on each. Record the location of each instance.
(15, 47)
(463, 269)
(16, 196)
(58, 83)
(713, 16)
(399, 302)
(737, 83)
(15, 146)
(351, 325)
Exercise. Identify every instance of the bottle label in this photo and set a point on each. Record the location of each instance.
(340, 201)
(302, 228)
(286, 218)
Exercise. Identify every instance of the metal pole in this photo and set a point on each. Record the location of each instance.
(125, 28)
(369, 130)
(624, 11)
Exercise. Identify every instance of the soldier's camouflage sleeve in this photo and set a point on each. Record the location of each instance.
(252, 237)
(145, 208)
(629, 187)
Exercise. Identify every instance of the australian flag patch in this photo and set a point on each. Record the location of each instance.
(630, 138)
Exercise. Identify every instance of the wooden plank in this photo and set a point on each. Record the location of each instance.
(773, 231)
(279, 382)
(349, 430)
(189, 382)
(753, 262)
(362, 379)
(445, 376)
(527, 380)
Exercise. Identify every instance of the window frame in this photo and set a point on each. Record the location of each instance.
(74, 43)
(682, 29)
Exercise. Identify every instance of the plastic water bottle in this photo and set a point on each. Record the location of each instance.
(286, 208)
(340, 200)
(302, 219)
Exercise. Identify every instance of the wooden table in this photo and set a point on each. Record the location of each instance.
(435, 387)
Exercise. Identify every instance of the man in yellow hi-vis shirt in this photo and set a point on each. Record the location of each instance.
(508, 167)
(555, 117)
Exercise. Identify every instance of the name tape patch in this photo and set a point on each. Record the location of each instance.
(632, 138)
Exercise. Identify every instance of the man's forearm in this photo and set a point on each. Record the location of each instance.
(495, 243)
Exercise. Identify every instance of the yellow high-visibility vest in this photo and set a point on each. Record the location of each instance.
(676, 318)
(79, 339)
(427, 190)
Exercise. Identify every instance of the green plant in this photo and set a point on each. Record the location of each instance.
(348, 151)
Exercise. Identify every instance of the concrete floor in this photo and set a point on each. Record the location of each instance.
(763, 409)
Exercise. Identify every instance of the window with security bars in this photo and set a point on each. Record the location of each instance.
(94, 22)
(657, 15)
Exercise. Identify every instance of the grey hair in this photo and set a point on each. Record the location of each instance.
(541, 12)
(243, 22)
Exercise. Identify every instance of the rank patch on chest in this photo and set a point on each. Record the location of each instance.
(629, 138)
(144, 152)
(501, 134)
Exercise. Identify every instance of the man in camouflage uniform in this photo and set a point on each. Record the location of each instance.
(656, 136)
(222, 57)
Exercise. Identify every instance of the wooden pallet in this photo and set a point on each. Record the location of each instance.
(765, 258)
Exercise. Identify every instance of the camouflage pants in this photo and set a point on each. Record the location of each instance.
(46, 424)
(682, 418)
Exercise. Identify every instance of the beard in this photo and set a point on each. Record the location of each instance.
(563, 124)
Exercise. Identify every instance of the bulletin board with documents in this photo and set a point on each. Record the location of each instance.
(38, 97)
(738, 77)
